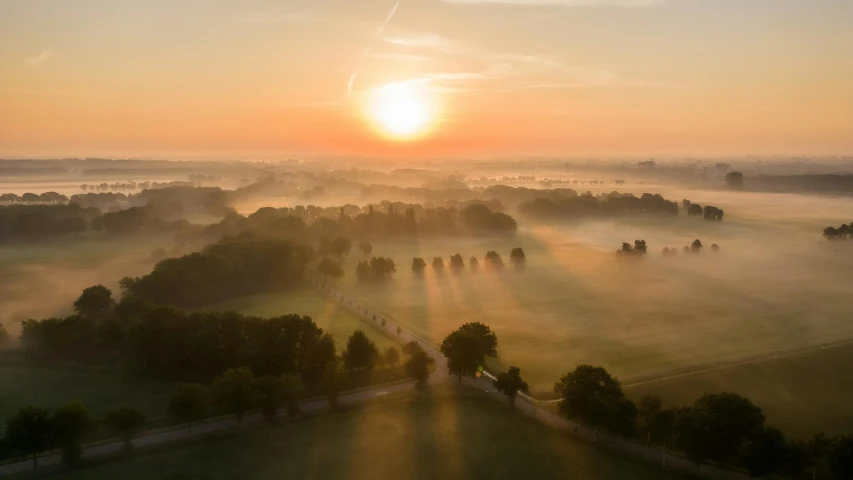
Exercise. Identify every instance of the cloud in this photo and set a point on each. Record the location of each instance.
(42, 57)
(565, 3)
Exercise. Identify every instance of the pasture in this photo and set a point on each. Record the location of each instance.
(802, 394)
(439, 434)
(776, 285)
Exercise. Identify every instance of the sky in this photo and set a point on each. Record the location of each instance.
(276, 79)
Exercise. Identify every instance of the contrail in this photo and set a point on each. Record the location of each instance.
(375, 36)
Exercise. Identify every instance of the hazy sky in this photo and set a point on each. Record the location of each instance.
(277, 78)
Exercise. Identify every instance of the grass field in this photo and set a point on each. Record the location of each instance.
(428, 436)
(802, 394)
(325, 312)
(776, 285)
(54, 387)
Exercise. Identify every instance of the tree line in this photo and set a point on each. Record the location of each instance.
(588, 205)
(640, 248)
(844, 232)
(708, 212)
(492, 261)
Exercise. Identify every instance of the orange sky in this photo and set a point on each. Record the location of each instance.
(215, 78)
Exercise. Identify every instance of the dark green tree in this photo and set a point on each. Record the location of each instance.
(510, 383)
(29, 431)
(331, 382)
(95, 302)
(417, 367)
(234, 392)
(361, 352)
(189, 403)
(69, 425)
(464, 351)
(487, 337)
(392, 356)
(270, 392)
(765, 452)
(418, 266)
(592, 395)
(518, 258)
(126, 422)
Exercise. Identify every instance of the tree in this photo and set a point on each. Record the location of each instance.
(473, 264)
(517, 257)
(341, 246)
(95, 302)
(457, 263)
(189, 403)
(234, 392)
(766, 452)
(362, 271)
(640, 247)
(361, 352)
(734, 180)
(126, 422)
(381, 268)
(417, 367)
(654, 421)
(366, 248)
(596, 398)
(329, 268)
(29, 431)
(5, 338)
(839, 455)
(69, 425)
(391, 355)
(331, 382)
(438, 265)
(418, 266)
(487, 337)
(695, 210)
(493, 261)
(715, 248)
(696, 246)
(292, 390)
(510, 383)
(270, 392)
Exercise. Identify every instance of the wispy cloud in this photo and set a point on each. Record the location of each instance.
(42, 57)
(378, 34)
(566, 3)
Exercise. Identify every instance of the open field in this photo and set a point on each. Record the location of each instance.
(802, 394)
(776, 285)
(326, 313)
(440, 434)
(54, 387)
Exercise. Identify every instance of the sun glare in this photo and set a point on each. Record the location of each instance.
(402, 111)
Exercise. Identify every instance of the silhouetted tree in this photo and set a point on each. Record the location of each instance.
(234, 392)
(715, 248)
(29, 431)
(712, 213)
(473, 264)
(391, 355)
(126, 422)
(438, 265)
(366, 248)
(518, 258)
(463, 351)
(331, 382)
(592, 395)
(457, 264)
(270, 392)
(695, 210)
(765, 452)
(340, 246)
(734, 180)
(95, 302)
(840, 457)
(417, 367)
(493, 261)
(361, 352)
(411, 347)
(189, 403)
(640, 247)
(510, 383)
(696, 246)
(418, 266)
(327, 267)
(68, 426)
(487, 337)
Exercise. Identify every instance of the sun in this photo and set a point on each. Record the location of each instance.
(402, 111)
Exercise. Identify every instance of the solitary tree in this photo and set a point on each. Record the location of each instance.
(29, 431)
(488, 339)
(467, 347)
(366, 248)
(473, 264)
(518, 258)
(95, 302)
(418, 266)
(361, 352)
(493, 261)
(438, 265)
(457, 263)
(69, 425)
(189, 403)
(510, 383)
(696, 246)
(126, 422)
(715, 248)
(734, 180)
(391, 355)
(417, 367)
(234, 392)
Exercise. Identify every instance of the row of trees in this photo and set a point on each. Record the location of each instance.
(640, 248)
(844, 232)
(46, 198)
(588, 205)
(492, 261)
(707, 212)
